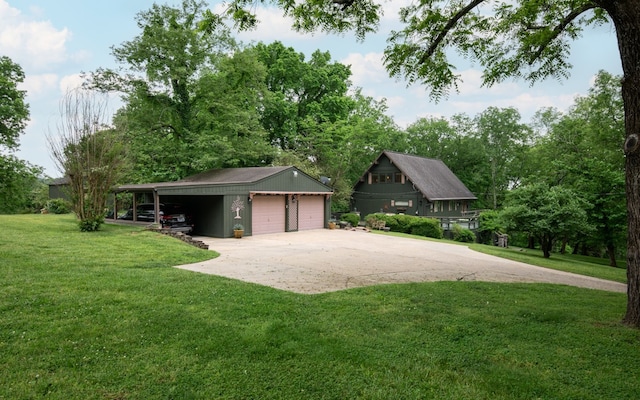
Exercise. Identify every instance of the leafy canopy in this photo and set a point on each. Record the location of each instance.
(14, 112)
(523, 39)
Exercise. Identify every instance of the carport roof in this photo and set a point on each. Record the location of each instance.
(224, 176)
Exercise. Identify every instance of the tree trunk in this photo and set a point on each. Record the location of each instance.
(546, 243)
(612, 255)
(626, 19)
(563, 249)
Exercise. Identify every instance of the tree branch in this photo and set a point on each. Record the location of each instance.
(453, 21)
(561, 27)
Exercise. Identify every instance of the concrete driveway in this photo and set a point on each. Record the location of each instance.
(325, 260)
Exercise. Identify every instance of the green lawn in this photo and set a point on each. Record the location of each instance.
(104, 316)
(577, 264)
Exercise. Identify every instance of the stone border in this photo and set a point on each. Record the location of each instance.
(181, 236)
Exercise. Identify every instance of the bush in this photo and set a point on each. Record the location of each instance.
(428, 227)
(58, 206)
(461, 234)
(375, 221)
(403, 222)
(91, 224)
(352, 218)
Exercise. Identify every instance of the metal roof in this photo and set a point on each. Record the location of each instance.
(430, 176)
(217, 177)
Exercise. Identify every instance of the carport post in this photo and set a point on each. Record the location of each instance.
(156, 206)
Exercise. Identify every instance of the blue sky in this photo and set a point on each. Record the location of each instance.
(54, 41)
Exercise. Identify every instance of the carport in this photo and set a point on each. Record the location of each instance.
(262, 199)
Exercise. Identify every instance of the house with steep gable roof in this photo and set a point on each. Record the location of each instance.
(398, 183)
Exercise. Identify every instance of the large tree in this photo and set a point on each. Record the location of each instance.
(579, 150)
(528, 39)
(158, 75)
(302, 95)
(546, 213)
(18, 178)
(14, 111)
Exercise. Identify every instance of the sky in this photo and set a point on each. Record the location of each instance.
(55, 41)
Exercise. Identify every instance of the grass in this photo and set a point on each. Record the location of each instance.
(104, 316)
(577, 264)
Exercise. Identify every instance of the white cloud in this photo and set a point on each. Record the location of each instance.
(70, 82)
(36, 85)
(366, 69)
(30, 43)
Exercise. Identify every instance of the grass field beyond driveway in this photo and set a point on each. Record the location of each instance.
(105, 316)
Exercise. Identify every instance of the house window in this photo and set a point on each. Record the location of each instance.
(375, 178)
(388, 178)
(398, 177)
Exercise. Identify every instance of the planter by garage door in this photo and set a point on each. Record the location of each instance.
(310, 212)
(268, 214)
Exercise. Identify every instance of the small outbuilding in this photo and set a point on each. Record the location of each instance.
(262, 199)
(398, 183)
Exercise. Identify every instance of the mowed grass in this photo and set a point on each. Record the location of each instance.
(104, 316)
(576, 264)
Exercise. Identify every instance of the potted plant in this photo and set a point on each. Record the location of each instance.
(238, 231)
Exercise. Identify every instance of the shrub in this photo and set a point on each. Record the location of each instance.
(91, 224)
(352, 218)
(58, 206)
(373, 220)
(404, 222)
(428, 227)
(461, 234)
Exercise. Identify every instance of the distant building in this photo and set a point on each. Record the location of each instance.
(59, 189)
(399, 183)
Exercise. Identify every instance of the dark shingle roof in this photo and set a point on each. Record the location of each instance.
(224, 176)
(232, 175)
(430, 176)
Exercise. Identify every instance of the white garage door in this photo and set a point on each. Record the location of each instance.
(310, 212)
(267, 215)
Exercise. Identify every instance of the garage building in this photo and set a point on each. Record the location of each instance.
(262, 199)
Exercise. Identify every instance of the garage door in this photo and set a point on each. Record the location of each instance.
(310, 212)
(267, 215)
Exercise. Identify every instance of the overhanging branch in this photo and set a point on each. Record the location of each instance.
(560, 28)
(448, 27)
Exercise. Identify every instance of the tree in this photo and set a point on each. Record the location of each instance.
(505, 140)
(227, 130)
(579, 151)
(545, 213)
(14, 112)
(160, 70)
(528, 39)
(303, 95)
(88, 153)
(19, 185)
(18, 179)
